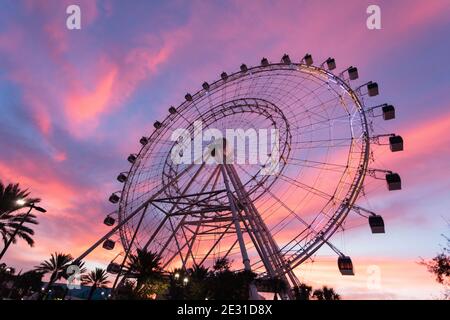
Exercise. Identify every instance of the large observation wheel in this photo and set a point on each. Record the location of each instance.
(277, 204)
(324, 150)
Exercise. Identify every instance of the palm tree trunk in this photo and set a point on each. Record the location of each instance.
(91, 292)
(11, 239)
(51, 281)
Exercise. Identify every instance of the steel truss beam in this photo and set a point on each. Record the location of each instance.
(266, 246)
(242, 211)
(132, 214)
(253, 294)
(182, 220)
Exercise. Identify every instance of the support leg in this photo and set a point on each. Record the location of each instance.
(245, 259)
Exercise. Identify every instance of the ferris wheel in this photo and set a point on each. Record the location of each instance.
(193, 212)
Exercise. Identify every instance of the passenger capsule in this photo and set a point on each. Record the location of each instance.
(308, 59)
(264, 62)
(353, 73)
(372, 89)
(396, 143)
(109, 221)
(376, 224)
(331, 64)
(114, 198)
(393, 181)
(108, 244)
(345, 266)
(113, 268)
(388, 112)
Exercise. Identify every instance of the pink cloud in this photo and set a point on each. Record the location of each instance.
(41, 116)
(424, 156)
(86, 105)
(59, 195)
(87, 94)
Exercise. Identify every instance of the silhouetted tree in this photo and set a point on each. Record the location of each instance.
(303, 292)
(198, 282)
(220, 283)
(10, 222)
(5, 271)
(229, 285)
(28, 282)
(178, 288)
(439, 266)
(10, 194)
(326, 293)
(55, 266)
(221, 264)
(97, 278)
(145, 267)
(6, 279)
(125, 291)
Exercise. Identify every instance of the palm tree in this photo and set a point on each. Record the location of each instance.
(97, 279)
(11, 223)
(303, 292)
(10, 194)
(6, 274)
(198, 272)
(144, 266)
(326, 294)
(198, 288)
(56, 266)
(221, 264)
(226, 284)
(27, 282)
(178, 289)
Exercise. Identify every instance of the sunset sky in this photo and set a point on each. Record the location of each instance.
(74, 103)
